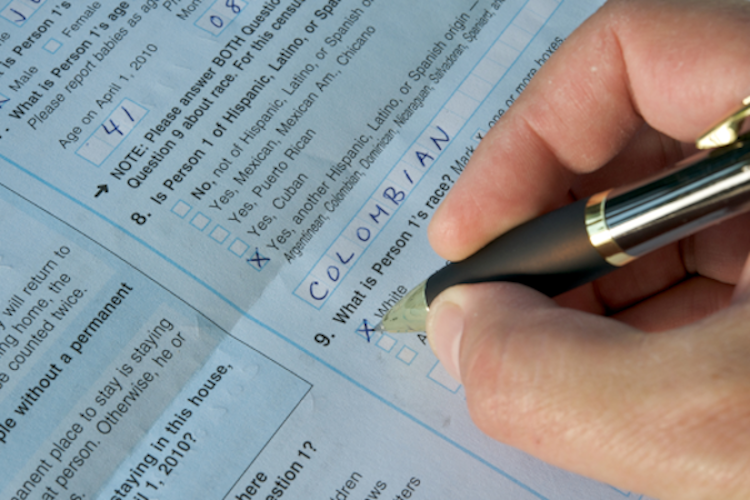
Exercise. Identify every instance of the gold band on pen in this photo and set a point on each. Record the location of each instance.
(599, 234)
(727, 130)
(723, 133)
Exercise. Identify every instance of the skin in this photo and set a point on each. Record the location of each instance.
(641, 379)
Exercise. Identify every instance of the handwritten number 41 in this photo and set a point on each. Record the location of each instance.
(115, 127)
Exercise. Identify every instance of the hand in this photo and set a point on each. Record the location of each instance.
(641, 379)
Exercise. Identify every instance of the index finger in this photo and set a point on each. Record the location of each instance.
(677, 64)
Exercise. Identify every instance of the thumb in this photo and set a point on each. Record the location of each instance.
(663, 414)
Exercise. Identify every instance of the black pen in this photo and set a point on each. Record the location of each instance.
(581, 242)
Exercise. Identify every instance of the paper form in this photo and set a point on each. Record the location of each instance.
(205, 206)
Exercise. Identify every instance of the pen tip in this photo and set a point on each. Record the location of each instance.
(408, 315)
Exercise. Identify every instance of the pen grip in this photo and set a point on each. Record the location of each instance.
(552, 254)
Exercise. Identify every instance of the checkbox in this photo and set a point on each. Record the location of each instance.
(219, 234)
(407, 355)
(257, 260)
(238, 247)
(386, 342)
(181, 209)
(200, 221)
(441, 376)
(52, 46)
(366, 331)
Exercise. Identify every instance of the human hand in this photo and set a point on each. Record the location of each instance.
(641, 379)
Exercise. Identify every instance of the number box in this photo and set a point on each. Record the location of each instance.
(113, 130)
(220, 15)
(19, 11)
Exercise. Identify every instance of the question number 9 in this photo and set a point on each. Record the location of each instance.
(323, 339)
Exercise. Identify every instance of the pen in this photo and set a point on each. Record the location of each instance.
(585, 240)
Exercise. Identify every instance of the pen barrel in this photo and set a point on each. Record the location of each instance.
(704, 190)
(552, 254)
(581, 242)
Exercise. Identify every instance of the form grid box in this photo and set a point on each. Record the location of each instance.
(462, 105)
(367, 331)
(19, 11)
(489, 71)
(529, 21)
(257, 260)
(220, 15)
(219, 234)
(181, 209)
(516, 37)
(439, 375)
(406, 354)
(52, 46)
(112, 132)
(476, 88)
(503, 54)
(386, 342)
(543, 8)
(238, 247)
(200, 221)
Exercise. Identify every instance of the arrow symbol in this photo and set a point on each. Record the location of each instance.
(102, 189)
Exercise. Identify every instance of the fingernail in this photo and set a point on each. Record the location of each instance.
(445, 327)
